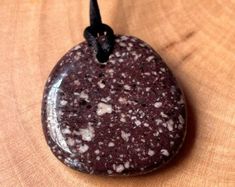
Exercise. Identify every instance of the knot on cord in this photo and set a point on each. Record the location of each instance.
(100, 37)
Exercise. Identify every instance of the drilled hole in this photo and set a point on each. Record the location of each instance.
(83, 102)
(143, 105)
(101, 75)
(89, 106)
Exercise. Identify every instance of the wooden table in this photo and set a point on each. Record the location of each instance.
(197, 40)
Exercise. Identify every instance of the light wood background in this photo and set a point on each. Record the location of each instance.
(195, 37)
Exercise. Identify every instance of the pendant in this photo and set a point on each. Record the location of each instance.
(122, 117)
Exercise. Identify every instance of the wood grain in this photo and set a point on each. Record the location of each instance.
(197, 40)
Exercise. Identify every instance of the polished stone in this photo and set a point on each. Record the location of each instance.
(126, 117)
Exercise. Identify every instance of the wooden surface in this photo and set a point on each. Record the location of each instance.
(197, 40)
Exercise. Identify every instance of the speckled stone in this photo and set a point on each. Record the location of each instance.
(126, 117)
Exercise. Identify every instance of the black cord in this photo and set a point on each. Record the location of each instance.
(103, 45)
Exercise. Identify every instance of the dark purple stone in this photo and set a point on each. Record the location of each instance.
(126, 117)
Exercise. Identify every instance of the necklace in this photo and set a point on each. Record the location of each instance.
(111, 106)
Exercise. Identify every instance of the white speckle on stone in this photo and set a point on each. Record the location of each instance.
(97, 151)
(133, 39)
(163, 115)
(100, 84)
(98, 158)
(119, 168)
(181, 119)
(154, 73)
(164, 124)
(66, 131)
(108, 98)
(151, 152)
(111, 144)
(110, 71)
(89, 79)
(164, 152)
(110, 172)
(125, 136)
(158, 121)
(76, 82)
(77, 47)
(137, 150)
(136, 57)
(70, 141)
(112, 61)
(148, 89)
(158, 104)
(163, 69)
(77, 56)
(170, 124)
(156, 134)
(122, 100)
(142, 140)
(147, 73)
(123, 119)
(173, 90)
(87, 134)
(63, 102)
(76, 132)
(83, 148)
(111, 125)
(142, 114)
(132, 102)
(122, 44)
(103, 99)
(84, 96)
(138, 122)
(117, 54)
(127, 164)
(130, 44)
(146, 124)
(124, 38)
(150, 58)
(123, 75)
(103, 108)
(142, 45)
(180, 126)
(127, 87)
(121, 60)
(133, 117)
(67, 160)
